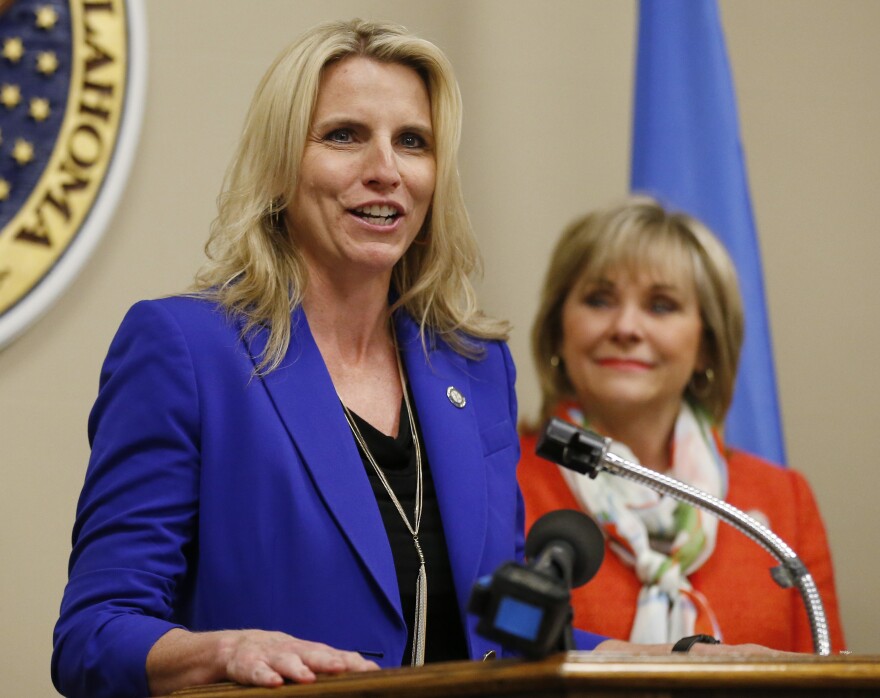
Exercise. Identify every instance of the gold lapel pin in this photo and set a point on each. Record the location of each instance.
(455, 397)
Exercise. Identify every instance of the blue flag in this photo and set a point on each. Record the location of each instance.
(686, 151)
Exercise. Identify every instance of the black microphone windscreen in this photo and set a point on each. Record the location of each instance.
(579, 531)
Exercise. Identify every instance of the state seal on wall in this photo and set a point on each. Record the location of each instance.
(72, 80)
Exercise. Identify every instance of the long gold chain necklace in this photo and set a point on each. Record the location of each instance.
(419, 624)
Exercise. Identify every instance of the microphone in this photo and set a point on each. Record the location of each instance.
(587, 453)
(567, 545)
(528, 607)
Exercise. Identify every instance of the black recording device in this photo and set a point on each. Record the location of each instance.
(527, 607)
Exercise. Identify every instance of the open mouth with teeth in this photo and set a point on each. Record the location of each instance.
(377, 215)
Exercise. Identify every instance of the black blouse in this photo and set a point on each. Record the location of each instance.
(445, 640)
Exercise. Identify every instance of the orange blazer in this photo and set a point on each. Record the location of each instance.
(750, 607)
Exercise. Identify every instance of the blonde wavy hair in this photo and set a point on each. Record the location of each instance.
(255, 271)
(638, 234)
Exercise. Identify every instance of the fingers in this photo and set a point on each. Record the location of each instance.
(747, 650)
(261, 658)
(327, 660)
(629, 648)
(255, 673)
(699, 649)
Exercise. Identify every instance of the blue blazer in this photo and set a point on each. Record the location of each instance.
(215, 500)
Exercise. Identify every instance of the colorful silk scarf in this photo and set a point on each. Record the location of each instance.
(663, 540)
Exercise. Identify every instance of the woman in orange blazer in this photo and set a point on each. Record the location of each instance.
(638, 337)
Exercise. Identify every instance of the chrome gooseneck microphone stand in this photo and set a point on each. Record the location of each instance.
(587, 453)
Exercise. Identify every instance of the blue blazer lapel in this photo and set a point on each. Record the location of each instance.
(306, 401)
(452, 442)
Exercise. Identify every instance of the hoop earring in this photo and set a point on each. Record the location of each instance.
(700, 384)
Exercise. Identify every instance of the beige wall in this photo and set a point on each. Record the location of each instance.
(547, 96)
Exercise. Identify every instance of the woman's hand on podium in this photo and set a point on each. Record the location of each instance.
(699, 649)
(251, 657)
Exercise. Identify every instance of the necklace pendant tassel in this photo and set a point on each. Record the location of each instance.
(418, 649)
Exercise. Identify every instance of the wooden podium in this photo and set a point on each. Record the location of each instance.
(582, 674)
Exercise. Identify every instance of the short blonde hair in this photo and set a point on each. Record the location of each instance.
(636, 234)
(254, 268)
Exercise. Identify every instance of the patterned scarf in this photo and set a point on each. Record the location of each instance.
(663, 540)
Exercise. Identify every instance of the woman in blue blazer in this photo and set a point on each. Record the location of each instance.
(294, 460)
